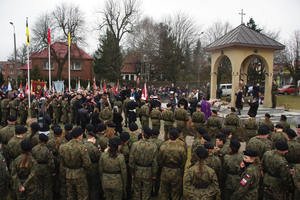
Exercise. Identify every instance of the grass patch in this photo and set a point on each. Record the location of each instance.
(288, 101)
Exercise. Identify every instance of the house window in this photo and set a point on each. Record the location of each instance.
(76, 66)
(127, 77)
(45, 67)
(3, 72)
(20, 72)
(11, 72)
(132, 77)
(11, 66)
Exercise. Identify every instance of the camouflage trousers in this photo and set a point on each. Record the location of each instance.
(77, 189)
(145, 121)
(29, 193)
(3, 190)
(183, 125)
(156, 124)
(126, 118)
(65, 118)
(113, 193)
(23, 117)
(44, 184)
(142, 188)
(93, 182)
(33, 113)
(171, 188)
(167, 129)
(4, 117)
(72, 116)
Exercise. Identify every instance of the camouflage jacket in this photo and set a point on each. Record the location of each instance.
(72, 105)
(276, 170)
(94, 152)
(198, 117)
(213, 123)
(260, 145)
(292, 156)
(116, 168)
(6, 134)
(14, 148)
(106, 115)
(44, 158)
(4, 173)
(76, 159)
(251, 127)
(23, 106)
(143, 159)
(207, 180)
(65, 105)
(133, 138)
(284, 124)
(4, 108)
(197, 143)
(144, 111)
(155, 114)
(55, 104)
(119, 105)
(52, 144)
(215, 163)
(125, 152)
(157, 142)
(276, 137)
(181, 115)
(34, 140)
(124, 107)
(274, 89)
(296, 179)
(249, 181)
(269, 124)
(168, 117)
(232, 120)
(101, 141)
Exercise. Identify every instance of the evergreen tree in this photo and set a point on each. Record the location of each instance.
(35, 73)
(251, 24)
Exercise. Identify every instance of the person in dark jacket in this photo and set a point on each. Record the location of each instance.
(253, 106)
(131, 110)
(238, 102)
(117, 119)
(183, 101)
(256, 90)
(77, 106)
(193, 103)
(95, 119)
(84, 116)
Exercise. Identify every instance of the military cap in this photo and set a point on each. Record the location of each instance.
(113, 143)
(235, 143)
(124, 136)
(220, 136)
(267, 115)
(93, 135)
(179, 129)
(143, 98)
(118, 140)
(35, 126)
(140, 136)
(279, 126)
(68, 136)
(206, 137)
(198, 105)
(227, 131)
(13, 98)
(169, 105)
(26, 145)
(111, 124)
(208, 145)
(77, 131)
(43, 138)
(157, 105)
(298, 126)
(57, 131)
(133, 126)
(232, 109)
(291, 132)
(263, 131)
(201, 152)
(101, 127)
(54, 126)
(127, 95)
(201, 131)
(131, 98)
(281, 146)
(106, 104)
(148, 131)
(155, 131)
(251, 115)
(146, 101)
(214, 111)
(54, 96)
(12, 118)
(251, 153)
(283, 117)
(20, 130)
(65, 97)
(22, 99)
(68, 127)
(174, 133)
(89, 127)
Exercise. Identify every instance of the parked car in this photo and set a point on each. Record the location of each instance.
(250, 90)
(287, 89)
(226, 89)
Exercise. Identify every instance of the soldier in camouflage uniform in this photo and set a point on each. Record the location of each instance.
(34, 109)
(172, 159)
(13, 106)
(101, 136)
(144, 113)
(33, 134)
(65, 109)
(106, 116)
(229, 176)
(92, 174)
(284, 123)
(222, 144)
(198, 118)
(55, 105)
(133, 131)
(274, 93)
(292, 156)
(5, 178)
(181, 118)
(124, 108)
(156, 117)
(213, 161)
(269, 123)
(197, 143)
(72, 109)
(4, 110)
(113, 173)
(279, 135)
(118, 103)
(247, 188)
(143, 165)
(7, 133)
(23, 111)
(296, 179)
(44, 169)
(277, 178)
(214, 126)
(250, 127)
(76, 160)
(232, 122)
(59, 107)
(200, 181)
(124, 150)
(168, 118)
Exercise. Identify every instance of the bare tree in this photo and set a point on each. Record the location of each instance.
(217, 30)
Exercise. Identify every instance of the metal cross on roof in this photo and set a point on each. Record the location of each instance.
(242, 14)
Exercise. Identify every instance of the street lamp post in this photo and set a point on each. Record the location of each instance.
(15, 54)
(200, 64)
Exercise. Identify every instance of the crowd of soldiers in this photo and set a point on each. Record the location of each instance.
(78, 149)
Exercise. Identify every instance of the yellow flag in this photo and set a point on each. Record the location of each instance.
(69, 39)
(27, 32)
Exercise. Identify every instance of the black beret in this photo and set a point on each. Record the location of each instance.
(20, 130)
(68, 127)
(26, 145)
(235, 143)
(267, 115)
(118, 140)
(155, 131)
(291, 132)
(124, 136)
(206, 137)
(179, 129)
(147, 131)
(298, 126)
(232, 109)
(111, 124)
(208, 145)
(93, 135)
(174, 133)
(283, 117)
(140, 136)
(43, 138)
(112, 142)
(201, 131)
(133, 127)
(35, 126)
(13, 98)
(214, 111)
(279, 126)
(227, 131)
(106, 104)
(68, 136)
(264, 126)
(89, 127)
(263, 131)
(181, 103)
(169, 105)
(198, 106)
(54, 96)
(220, 136)
(251, 153)
(12, 118)
(101, 127)
(251, 115)
(201, 152)
(65, 97)
(281, 146)
(147, 101)
(54, 126)
(77, 131)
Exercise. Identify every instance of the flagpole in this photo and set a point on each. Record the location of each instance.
(28, 71)
(69, 58)
(49, 65)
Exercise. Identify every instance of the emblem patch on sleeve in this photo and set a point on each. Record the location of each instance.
(243, 181)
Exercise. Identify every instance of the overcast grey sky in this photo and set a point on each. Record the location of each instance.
(272, 14)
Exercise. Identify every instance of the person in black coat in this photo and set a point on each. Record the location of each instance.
(253, 106)
(77, 106)
(193, 103)
(183, 101)
(256, 90)
(238, 102)
(95, 119)
(117, 119)
(84, 116)
(131, 110)
(154, 102)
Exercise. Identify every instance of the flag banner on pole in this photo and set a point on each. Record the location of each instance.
(89, 87)
(104, 87)
(37, 88)
(76, 87)
(117, 88)
(9, 87)
(21, 90)
(59, 86)
(94, 83)
(27, 89)
(27, 32)
(69, 39)
(101, 87)
(79, 85)
(45, 91)
(49, 37)
(145, 93)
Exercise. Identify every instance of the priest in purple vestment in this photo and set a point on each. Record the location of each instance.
(205, 108)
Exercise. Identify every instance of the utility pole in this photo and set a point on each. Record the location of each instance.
(16, 75)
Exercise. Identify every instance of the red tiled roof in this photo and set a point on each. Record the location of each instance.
(61, 50)
(130, 62)
(25, 67)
